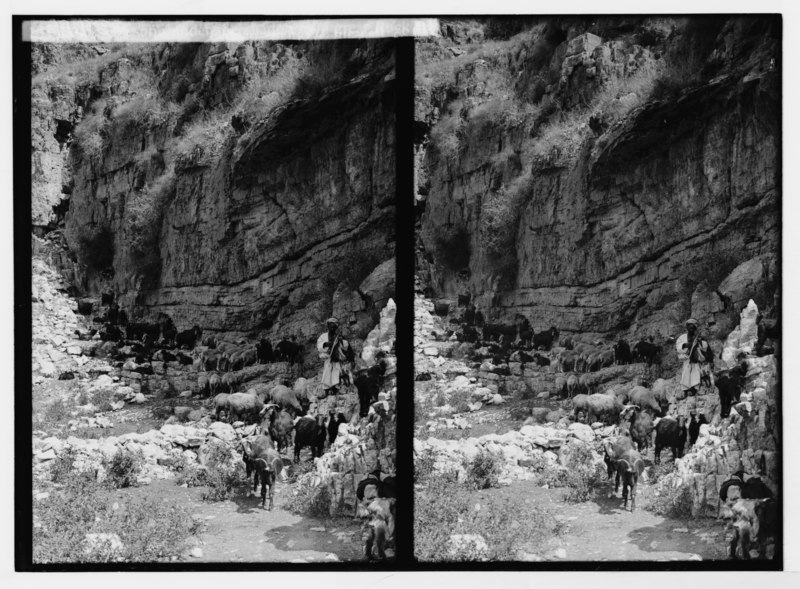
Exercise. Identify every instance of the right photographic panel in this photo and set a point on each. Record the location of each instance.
(598, 290)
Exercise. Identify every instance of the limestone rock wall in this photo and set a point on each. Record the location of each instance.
(264, 225)
(630, 198)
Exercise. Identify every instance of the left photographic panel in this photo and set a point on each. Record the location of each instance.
(213, 301)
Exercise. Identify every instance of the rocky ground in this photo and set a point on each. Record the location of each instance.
(466, 407)
(92, 407)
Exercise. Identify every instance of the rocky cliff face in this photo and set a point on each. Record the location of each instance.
(245, 187)
(605, 176)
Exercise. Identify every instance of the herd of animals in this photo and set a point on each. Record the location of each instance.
(641, 412)
(280, 409)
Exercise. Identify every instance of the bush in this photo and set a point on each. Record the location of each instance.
(309, 500)
(582, 475)
(674, 502)
(63, 466)
(124, 467)
(483, 471)
(149, 530)
(423, 465)
(102, 400)
(225, 474)
(89, 134)
(444, 508)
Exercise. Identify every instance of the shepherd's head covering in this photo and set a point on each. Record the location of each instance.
(333, 320)
(692, 322)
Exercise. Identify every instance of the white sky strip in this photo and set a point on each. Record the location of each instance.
(187, 31)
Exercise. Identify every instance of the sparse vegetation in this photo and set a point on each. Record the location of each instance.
(225, 474)
(143, 529)
(483, 471)
(445, 507)
(671, 501)
(123, 468)
(310, 500)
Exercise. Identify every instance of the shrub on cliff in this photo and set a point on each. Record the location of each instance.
(89, 133)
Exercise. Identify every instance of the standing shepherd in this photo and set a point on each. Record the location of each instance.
(692, 350)
(336, 351)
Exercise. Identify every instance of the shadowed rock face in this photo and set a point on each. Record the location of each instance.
(620, 233)
(278, 224)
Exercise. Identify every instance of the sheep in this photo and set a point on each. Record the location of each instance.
(586, 383)
(640, 426)
(231, 380)
(262, 458)
(260, 390)
(580, 404)
(221, 404)
(309, 431)
(572, 385)
(210, 360)
(629, 468)
(243, 407)
(566, 361)
(644, 398)
(560, 386)
(285, 397)
(730, 384)
(602, 407)
(301, 392)
(670, 433)
(202, 385)
(215, 383)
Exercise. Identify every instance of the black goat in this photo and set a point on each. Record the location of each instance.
(694, 428)
(646, 352)
(369, 383)
(622, 352)
(333, 426)
(730, 384)
(545, 339)
(189, 337)
(309, 431)
(671, 433)
(264, 351)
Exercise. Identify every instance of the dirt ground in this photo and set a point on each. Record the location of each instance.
(600, 530)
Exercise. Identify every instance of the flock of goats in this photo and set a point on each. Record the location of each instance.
(281, 410)
(641, 412)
